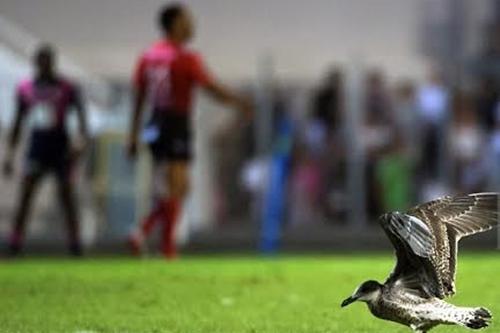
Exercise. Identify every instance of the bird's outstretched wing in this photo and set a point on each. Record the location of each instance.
(414, 245)
(466, 214)
(426, 239)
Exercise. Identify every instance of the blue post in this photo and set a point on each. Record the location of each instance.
(275, 196)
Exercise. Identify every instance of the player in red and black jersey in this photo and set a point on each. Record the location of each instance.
(166, 75)
(43, 103)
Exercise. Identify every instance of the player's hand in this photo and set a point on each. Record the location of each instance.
(246, 109)
(8, 168)
(78, 150)
(131, 149)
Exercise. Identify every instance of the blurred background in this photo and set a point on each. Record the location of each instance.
(361, 107)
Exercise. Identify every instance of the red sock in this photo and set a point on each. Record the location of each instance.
(170, 216)
(150, 220)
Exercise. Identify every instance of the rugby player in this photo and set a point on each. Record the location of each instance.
(44, 102)
(166, 75)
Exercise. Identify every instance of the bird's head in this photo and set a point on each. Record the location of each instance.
(368, 291)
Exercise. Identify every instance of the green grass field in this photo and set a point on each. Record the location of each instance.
(226, 295)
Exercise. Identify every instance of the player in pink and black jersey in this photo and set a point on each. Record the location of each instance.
(44, 103)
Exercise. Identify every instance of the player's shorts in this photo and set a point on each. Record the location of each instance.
(169, 137)
(48, 152)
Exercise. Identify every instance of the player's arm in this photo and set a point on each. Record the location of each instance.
(227, 97)
(139, 98)
(81, 114)
(218, 91)
(15, 135)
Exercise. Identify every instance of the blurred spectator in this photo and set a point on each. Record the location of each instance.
(492, 155)
(377, 134)
(306, 188)
(406, 118)
(327, 101)
(492, 45)
(466, 143)
(377, 100)
(432, 104)
(393, 174)
(487, 101)
(321, 156)
(395, 170)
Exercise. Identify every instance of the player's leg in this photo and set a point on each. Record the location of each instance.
(138, 236)
(69, 206)
(29, 185)
(147, 224)
(156, 212)
(141, 232)
(177, 178)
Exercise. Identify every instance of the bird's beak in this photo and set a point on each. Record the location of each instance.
(348, 301)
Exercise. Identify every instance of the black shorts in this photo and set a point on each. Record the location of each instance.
(169, 137)
(48, 152)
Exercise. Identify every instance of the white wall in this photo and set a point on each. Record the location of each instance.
(304, 36)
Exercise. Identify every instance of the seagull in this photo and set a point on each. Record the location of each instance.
(425, 240)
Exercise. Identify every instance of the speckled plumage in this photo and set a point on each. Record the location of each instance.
(426, 240)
